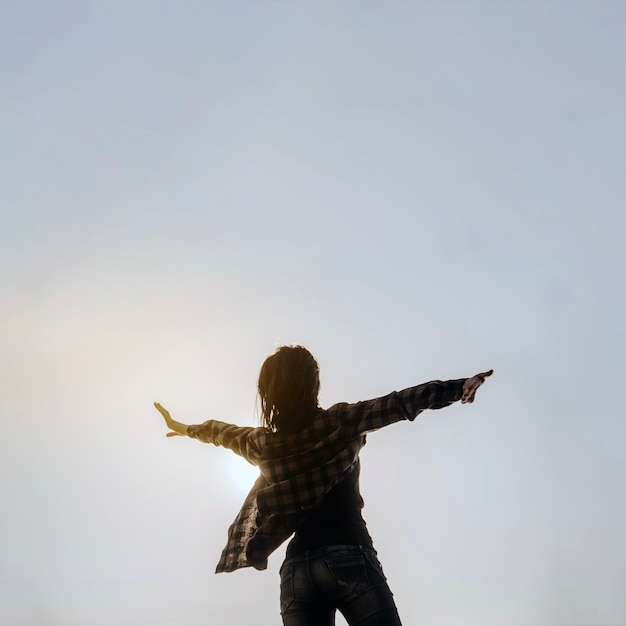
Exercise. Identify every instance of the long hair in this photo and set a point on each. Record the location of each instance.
(289, 384)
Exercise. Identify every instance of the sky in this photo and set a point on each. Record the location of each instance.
(412, 190)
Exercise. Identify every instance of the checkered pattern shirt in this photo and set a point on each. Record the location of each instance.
(297, 471)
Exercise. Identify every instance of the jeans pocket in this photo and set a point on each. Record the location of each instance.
(287, 595)
(349, 572)
(373, 561)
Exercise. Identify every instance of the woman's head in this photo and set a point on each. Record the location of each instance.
(289, 382)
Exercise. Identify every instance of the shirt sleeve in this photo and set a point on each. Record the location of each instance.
(369, 415)
(240, 439)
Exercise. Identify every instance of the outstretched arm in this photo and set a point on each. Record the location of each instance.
(235, 438)
(407, 404)
(176, 428)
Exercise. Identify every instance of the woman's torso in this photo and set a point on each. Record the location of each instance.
(337, 521)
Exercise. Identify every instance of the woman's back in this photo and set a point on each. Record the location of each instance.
(336, 521)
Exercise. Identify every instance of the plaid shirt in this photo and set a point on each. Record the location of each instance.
(297, 471)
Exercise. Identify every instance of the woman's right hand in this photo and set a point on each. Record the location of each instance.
(176, 428)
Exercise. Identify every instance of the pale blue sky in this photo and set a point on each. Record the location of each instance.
(413, 190)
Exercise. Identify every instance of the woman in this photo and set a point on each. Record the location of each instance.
(309, 485)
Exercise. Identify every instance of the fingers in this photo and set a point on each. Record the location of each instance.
(472, 384)
(469, 391)
(169, 421)
(164, 412)
(468, 396)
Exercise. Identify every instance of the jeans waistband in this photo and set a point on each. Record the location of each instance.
(324, 550)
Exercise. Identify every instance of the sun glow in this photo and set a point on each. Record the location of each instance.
(240, 473)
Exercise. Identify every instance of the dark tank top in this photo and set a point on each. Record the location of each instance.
(337, 521)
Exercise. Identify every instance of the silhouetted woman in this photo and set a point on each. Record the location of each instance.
(309, 485)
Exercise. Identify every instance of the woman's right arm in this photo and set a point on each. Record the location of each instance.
(235, 438)
(239, 439)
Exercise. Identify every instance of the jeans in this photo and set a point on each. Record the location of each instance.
(348, 578)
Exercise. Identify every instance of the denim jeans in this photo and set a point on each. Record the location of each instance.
(346, 578)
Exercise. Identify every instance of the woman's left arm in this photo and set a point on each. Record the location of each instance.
(370, 415)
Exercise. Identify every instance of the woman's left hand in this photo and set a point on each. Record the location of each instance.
(471, 385)
(177, 428)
